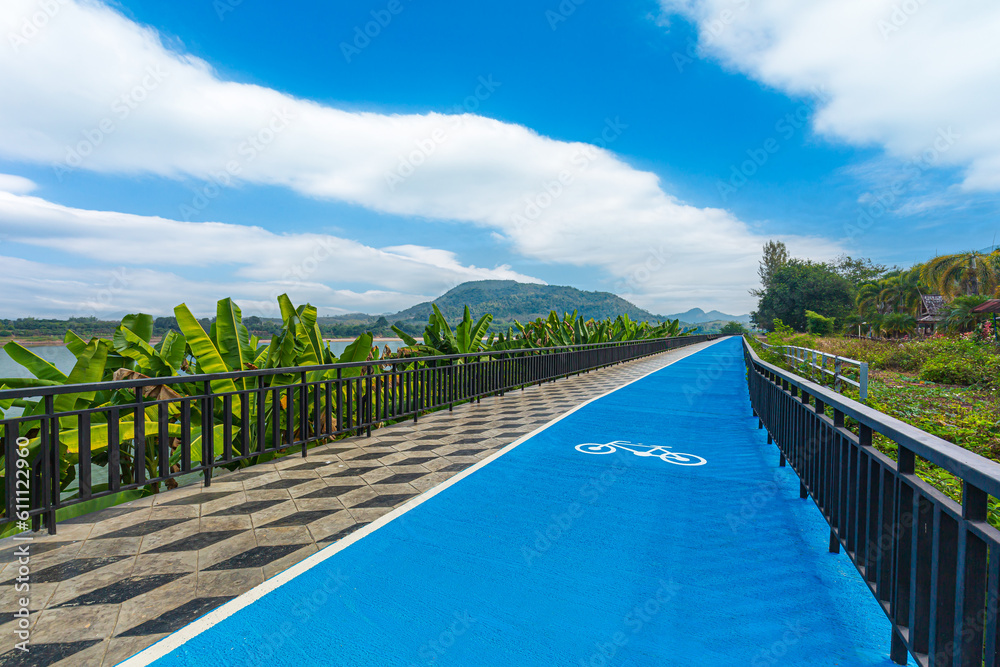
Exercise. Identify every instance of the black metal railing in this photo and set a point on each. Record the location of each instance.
(77, 443)
(933, 564)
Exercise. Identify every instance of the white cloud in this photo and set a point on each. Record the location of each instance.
(203, 262)
(16, 184)
(96, 91)
(894, 74)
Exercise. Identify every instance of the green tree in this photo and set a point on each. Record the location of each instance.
(967, 273)
(800, 285)
(959, 316)
(901, 291)
(733, 329)
(897, 324)
(859, 271)
(774, 257)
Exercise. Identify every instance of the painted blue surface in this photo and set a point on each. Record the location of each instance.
(549, 556)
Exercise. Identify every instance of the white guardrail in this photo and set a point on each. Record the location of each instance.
(815, 361)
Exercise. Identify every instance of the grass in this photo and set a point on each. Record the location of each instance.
(901, 384)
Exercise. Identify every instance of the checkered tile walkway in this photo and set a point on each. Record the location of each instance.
(113, 582)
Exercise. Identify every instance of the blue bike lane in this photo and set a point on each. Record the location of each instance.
(685, 544)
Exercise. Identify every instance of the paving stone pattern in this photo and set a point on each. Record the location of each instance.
(113, 582)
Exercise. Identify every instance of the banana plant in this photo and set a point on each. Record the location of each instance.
(130, 354)
(467, 338)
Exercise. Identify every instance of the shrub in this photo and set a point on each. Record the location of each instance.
(819, 325)
(960, 361)
(803, 340)
(733, 329)
(905, 357)
(949, 370)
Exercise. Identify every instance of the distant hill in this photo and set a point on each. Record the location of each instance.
(699, 316)
(509, 300)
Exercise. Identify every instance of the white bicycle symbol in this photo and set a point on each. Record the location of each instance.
(662, 453)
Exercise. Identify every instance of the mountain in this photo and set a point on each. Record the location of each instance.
(699, 316)
(509, 300)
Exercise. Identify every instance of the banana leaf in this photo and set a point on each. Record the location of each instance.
(407, 338)
(308, 334)
(359, 350)
(232, 338)
(89, 368)
(140, 324)
(145, 358)
(38, 367)
(74, 344)
(171, 350)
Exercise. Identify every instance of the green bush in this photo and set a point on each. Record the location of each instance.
(950, 370)
(733, 329)
(803, 340)
(819, 325)
(963, 362)
(904, 357)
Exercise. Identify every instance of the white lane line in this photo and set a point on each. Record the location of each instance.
(216, 616)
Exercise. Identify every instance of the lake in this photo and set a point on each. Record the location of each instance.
(60, 357)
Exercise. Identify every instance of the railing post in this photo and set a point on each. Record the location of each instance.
(806, 442)
(971, 582)
(50, 463)
(863, 381)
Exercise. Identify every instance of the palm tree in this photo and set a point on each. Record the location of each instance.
(959, 316)
(869, 299)
(912, 289)
(965, 273)
(898, 324)
(899, 292)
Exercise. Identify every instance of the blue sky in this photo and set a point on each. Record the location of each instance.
(729, 122)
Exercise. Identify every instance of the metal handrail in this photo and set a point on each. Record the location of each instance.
(933, 564)
(807, 356)
(147, 439)
(112, 385)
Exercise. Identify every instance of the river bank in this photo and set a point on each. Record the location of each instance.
(58, 342)
(56, 353)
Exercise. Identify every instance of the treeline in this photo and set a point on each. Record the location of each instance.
(853, 295)
(89, 327)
